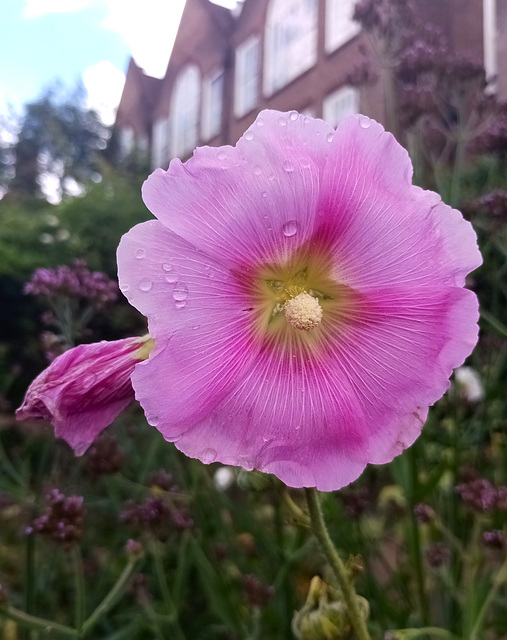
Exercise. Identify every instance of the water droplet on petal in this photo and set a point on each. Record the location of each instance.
(171, 278)
(124, 287)
(208, 456)
(294, 115)
(288, 166)
(221, 155)
(290, 228)
(179, 304)
(264, 194)
(330, 137)
(167, 267)
(249, 135)
(364, 121)
(180, 291)
(260, 122)
(257, 170)
(196, 326)
(140, 253)
(282, 122)
(145, 285)
(153, 420)
(307, 120)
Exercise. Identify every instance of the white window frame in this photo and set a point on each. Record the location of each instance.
(340, 27)
(490, 36)
(286, 57)
(212, 105)
(339, 104)
(185, 111)
(246, 81)
(161, 148)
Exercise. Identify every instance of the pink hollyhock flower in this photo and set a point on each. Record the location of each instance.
(85, 389)
(307, 302)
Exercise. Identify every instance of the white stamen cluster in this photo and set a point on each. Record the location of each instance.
(303, 312)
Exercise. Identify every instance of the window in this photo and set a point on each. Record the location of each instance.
(490, 39)
(213, 90)
(340, 27)
(246, 93)
(185, 111)
(126, 141)
(340, 104)
(291, 41)
(161, 151)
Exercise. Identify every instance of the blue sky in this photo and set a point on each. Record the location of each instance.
(42, 40)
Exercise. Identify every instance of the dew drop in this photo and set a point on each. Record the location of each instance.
(145, 285)
(288, 166)
(180, 291)
(249, 135)
(294, 115)
(257, 170)
(171, 278)
(179, 304)
(124, 287)
(290, 228)
(208, 456)
(282, 122)
(260, 122)
(221, 155)
(153, 420)
(140, 253)
(364, 121)
(167, 267)
(196, 326)
(264, 194)
(330, 137)
(307, 120)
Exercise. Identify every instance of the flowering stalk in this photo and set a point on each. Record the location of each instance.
(349, 594)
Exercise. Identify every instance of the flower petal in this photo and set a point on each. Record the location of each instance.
(83, 390)
(199, 318)
(251, 203)
(398, 351)
(383, 230)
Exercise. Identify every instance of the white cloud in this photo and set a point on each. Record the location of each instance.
(36, 8)
(149, 27)
(104, 84)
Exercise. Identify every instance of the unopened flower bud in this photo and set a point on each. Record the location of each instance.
(325, 615)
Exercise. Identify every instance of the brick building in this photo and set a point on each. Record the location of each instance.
(283, 54)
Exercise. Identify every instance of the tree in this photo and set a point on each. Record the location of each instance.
(59, 139)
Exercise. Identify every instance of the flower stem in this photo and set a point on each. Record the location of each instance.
(349, 594)
(499, 579)
(110, 599)
(34, 622)
(79, 587)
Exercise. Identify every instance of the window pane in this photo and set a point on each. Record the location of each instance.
(340, 104)
(246, 94)
(291, 41)
(340, 27)
(185, 111)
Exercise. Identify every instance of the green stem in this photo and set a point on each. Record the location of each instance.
(166, 593)
(119, 586)
(79, 588)
(349, 594)
(499, 579)
(33, 622)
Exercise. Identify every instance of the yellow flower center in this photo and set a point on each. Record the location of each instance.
(303, 312)
(299, 303)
